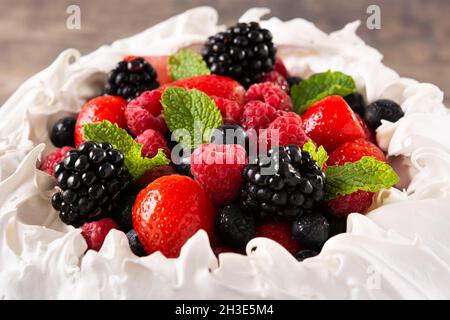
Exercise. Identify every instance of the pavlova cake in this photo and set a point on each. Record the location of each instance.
(261, 160)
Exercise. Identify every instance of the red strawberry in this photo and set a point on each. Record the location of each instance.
(109, 108)
(96, 232)
(279, 232)
(330, 122)
(160, 64)
(281, 68)
(353, 151)
(169, 211)
(368, 132)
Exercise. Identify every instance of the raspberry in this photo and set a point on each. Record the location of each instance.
(217, 168)
(154, 174)
(95, 232)
(281, 68)
(276, 78)
(279, 232)
(144, 113)
(289, 128)
(230, 110)
(151, 141)
(270, 93)
(53, 159)
(257, 115)
(358, 201)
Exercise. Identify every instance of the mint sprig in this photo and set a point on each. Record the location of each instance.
(367, 174)
(190, 115)
(187, 64)
(319, 155)
(320, 86)
(136, 164)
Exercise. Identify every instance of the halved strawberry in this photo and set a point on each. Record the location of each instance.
(331, 122)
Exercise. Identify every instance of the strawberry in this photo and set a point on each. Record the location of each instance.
(331, 122)
(169, 211)
(279, 232)
(109, 108)
(160, 64)
(368, 132)
(352, 151)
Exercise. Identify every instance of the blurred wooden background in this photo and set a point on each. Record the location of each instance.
(414, 37)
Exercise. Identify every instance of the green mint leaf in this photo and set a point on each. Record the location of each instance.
(190, 115)
(367, 174)
(187, 64)
(318, 154)
(136, 164)
(320, 86)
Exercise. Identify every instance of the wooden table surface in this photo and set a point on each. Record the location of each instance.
(414, 36)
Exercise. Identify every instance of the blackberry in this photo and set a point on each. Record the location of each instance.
(92, 179)
(235, 225)
(135, 244)
(382, 109)
(130, 78)
(305, 254)
(311, 230)
(356, 101)
(244, 52)
(62, 133)
(284, 184)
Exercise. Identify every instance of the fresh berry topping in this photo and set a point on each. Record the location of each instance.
(244, 52)
(330, 122)
(153, 174)
(169, 211)
(352, 151)
(279, 232)
(305, 254)
(217, 168)
(281, 68)
(98, 109)
(62, 133)
(355, 101)
(271, 94)
(382, 110)
(286, 130)
(337, 224)
(358, 201)
(230, 134)
(311, 230)
(276, 78)
(130, 78)
(231, 110)
(160, 64)
(257, 115)
(95, 232)
(152, 141)
(183, 164)
(139, 119)
(368, 132)
(284, 184)
(51, 161)
(235, 225)
(91, 179)
(135, 244)
(292, 81)
(149, 101)
(122, 212)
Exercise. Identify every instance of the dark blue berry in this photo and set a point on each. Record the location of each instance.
(230, 134)
(62, 133)
(292, 81)
(135, 244)
(305, 254)
(311, 230)
(356, 101)
(382, 110)
(235, 225)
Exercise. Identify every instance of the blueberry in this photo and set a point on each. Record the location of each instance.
(230, 134)
(356, 101)
(235, 225)
(123, 211)
(62, 132)
(305, 254)
(135, 244)
(292, 81)
(382, 110)
(311, 230)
